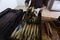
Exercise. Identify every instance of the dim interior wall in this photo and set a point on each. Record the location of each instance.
(7, 4)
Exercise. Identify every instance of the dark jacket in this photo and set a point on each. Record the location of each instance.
(9, 21)
(37, 3)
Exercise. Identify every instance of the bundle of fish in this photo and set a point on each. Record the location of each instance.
(29, 30)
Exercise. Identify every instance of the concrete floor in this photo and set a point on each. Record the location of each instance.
(45, 12)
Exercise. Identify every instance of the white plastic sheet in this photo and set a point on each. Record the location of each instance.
(56, 6)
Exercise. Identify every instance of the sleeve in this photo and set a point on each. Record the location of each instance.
(27, 1)
(45, 2)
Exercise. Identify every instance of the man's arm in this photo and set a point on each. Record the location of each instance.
(45, 2)
(27, 1)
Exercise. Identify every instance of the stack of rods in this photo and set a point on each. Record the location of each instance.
(28, 32)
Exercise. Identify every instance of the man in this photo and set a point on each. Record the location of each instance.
(37, 3)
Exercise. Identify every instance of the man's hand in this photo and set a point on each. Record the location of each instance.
(26, 4)
(43, 8)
